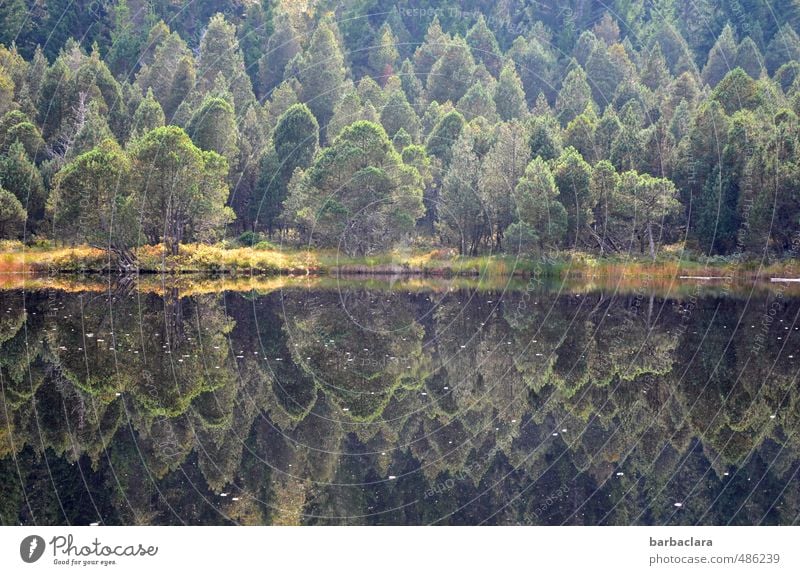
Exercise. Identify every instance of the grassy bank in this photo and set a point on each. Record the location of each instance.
(272, 260)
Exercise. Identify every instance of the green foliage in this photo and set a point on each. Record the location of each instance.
(322, 73)
(444, 135)
(19, 176)
(452, 74)
(89, 199)
(721, 59)
(213, 127)
(509, 96)
(357, 195)
(398, 114)
(295, 142)
(12, 216)
(179, 191)
(462, 217)
(542, 218)
(573, 177)
(620, 86)
(574, 96)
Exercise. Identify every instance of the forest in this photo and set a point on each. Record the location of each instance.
(477, 127)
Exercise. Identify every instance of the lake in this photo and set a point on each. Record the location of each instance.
(398, 401)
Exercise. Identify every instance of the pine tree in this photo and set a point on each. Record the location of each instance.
(463, 219)
(323, 73)
(477, 102)
(501, 169)
(398, 114)
(574, 96)
(220, 56)
(431, 49)
(88, 203)
(444, 134)
(541, 218)
(484, 46)
(20, 176)
(749, 59)
(784, 47)
(452, 74)
(411, 85)
(509, 96)
(573, 179)
(383, 56)
(295, 143)
(12, 216)
(148, 116)
(655, 73)
(721, 58)
(282, 46)
(213, 127)
(536, 65)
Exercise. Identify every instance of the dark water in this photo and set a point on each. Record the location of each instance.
(356, 405)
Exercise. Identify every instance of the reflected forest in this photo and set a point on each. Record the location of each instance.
(398, 405)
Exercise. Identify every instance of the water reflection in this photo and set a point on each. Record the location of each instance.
(412, 403)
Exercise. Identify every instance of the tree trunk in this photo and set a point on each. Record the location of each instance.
(650, 240)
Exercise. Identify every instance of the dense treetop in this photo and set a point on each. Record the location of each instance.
(482, 126)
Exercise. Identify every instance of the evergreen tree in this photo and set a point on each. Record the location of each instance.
(452, 74)
(19, 176)
(383, 56)
(541, 218)
(463, 219)
(282, 46)
(431, 49)
(178, 191)
(573, 179)
(748, 58)
(88, 203)
(357, 194)
(721, 58)
(12, 216)
(398, 114)
(323, 73)
(484, 46)
(574, 96)
(784, 47)
(148, 116)
(477, 102)
(213, 127)
(502, 168)
(444, 135)
(509, 97)
(220, 57)
(295, 142)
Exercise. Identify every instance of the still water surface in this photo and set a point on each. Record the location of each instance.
(398, 402)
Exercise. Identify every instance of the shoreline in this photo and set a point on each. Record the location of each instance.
(245, 261)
